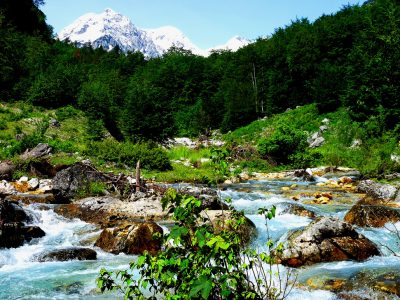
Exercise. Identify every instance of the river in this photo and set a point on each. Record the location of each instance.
(23, 278)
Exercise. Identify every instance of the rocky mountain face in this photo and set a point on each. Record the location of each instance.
(110, 29)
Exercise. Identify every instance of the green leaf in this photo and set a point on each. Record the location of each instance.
(203, 285)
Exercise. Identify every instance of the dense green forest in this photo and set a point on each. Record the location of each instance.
(349, 59)
(346, 64)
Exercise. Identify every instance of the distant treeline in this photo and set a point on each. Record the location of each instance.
(350, 59)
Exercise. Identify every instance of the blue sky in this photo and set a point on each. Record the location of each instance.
(206, 22)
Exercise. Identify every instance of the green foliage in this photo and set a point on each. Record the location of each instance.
(66, 112)
(199, 261)
(151, 156)
(92, 189)
(284, 142)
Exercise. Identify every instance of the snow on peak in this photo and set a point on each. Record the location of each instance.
(168, 36)
(233, 44)
(109, 29)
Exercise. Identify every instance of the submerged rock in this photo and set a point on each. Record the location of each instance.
(130, 238)
(366, 215)
(326, 239)
(298, 210)
(68, 254)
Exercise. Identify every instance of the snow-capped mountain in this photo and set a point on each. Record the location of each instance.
(168, 36)
(233, 44)
(110, 29)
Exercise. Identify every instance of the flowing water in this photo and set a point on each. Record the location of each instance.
(23, 278)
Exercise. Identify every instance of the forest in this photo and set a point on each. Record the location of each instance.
(349, 59)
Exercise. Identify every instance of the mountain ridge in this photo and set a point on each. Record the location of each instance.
(109, 29)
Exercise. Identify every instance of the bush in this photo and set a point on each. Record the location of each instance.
(282, 144)
(151, 156)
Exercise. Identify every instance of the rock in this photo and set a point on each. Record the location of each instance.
(23, 179)
(68, 254)
(366, 215)
(323, 128)
(68, 182)
(33, 184)
(377, 190)
(298, 210)
(45, 185)
(31, 198)
(220, 221)
(305, 175)
(285, 189)
(389, 283)
(130, 238)
(318, 142)
(7, 168)
(345, 180)
(356, 144)
(39, 151)
(13, 232)
(208, 196)
(326, 283)
(381, 282)
(54, 123)
(109, 212)
(7, 188)
(325, 121)
(323, 240)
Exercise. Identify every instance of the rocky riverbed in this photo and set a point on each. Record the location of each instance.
(337, 231)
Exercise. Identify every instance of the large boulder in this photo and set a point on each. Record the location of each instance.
(108, 211)
(7, 168)
(221, 220)
(364, 214)
(13, 232)
(130, 238)
(378, 190)
(326, 239)
(68, 182)
(66, 254)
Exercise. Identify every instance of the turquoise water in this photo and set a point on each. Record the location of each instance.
(23, 278)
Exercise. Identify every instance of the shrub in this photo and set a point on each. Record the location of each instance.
(201, 260)
(151, 156)
(282, 144)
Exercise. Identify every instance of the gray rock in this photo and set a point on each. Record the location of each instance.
(318, 142)
(325, 121)
(326, 239)
(45, 185)
(54, 123)
(378, 190)
(323, 128)
(39, 151)
(356, 144)
(68, 182)
(33, 184)
(7, 188)
(68, 254)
